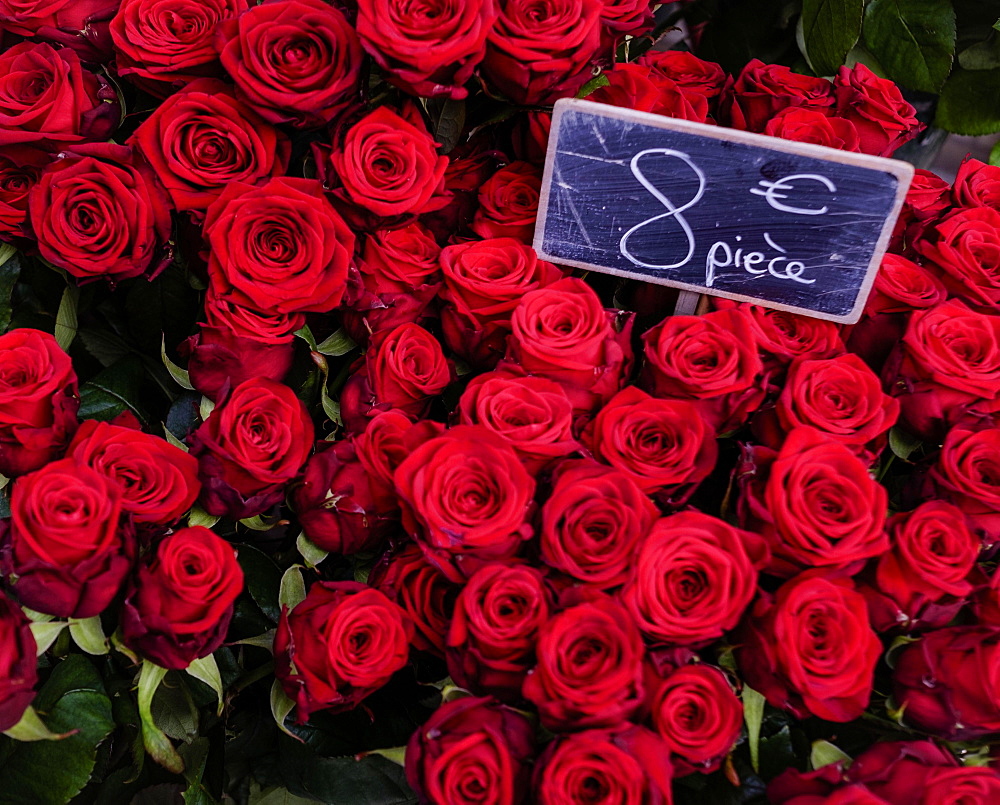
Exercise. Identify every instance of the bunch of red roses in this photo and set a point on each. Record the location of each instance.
(601, 536)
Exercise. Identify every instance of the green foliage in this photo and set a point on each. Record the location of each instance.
(970, 102)
(914, 40)
(830, 28)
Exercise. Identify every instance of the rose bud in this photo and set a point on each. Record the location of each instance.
(875, 106)
(465, 499)
(592, 523)
(809, 649)
(279, 248)
(709, 361)
(965, 247)
(537, 53)
(426, 596)
(158, 482)
(82, 26)
(51, 101)
(428, 52)
(508, 203)
(628, 765)
(762, 90)
(977, 184)
(469, 750)
(589, 671)
(694, 577)
(814, 502)
(491, 642)
(341, 643)
(812, 126)
(781, 337)
(967, 474)
(93, 191)
(634, 86)
(699, 717)
(665, 446)
(18, 664)
(250, 447)
(66, 543)
(38, 400)
(20, 167)
(180, 604)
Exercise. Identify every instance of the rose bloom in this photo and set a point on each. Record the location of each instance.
(38, 400)
(385, 444)
(928, 196)
(875, 106)
(635, 86)
(400, 260)
(977, 184)
(812, 126)
(78, 24)
(693, 75)
(471, 750)
(181, 602)
(809, 649)
(293, 61)
(967, 474)
(508, 203)
(781, 337)
(341, 643)
(18, 665)
(965, 247)
(621, 18)
(762, 90)
(20, 167)
(427, 50)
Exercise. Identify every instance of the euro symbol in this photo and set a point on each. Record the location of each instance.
(772, 192)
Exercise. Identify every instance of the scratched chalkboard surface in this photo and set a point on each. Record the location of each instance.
(788, 225)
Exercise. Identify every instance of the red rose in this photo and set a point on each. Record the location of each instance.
(341, 643)
(965, 246)
(977, 184)
(692, 579)
(38, 400)
(508, 203)
(20, 167)
(708, 360)
(621, 18)
(293, 61)
(82, 26)
(967, 473)
(470, 165)
(65, 543)
(531, 135)
(400, 260)
(928, 196)
(202, 138)
(814, 502)
(158, 481)
(592, 523)
(540, 51)
(427, 50)
(589, 671)
(465, 499)
(280, 248)
(695, 77)
(181, 602)
(635, 86)
(875, 106)
(387, 441)
(471, 749)
(18, 665)
(809, 649)
(781, 337)
(813, 126)
(250, 447)
(163, 44)
(491, 641)
(99, 212)
(47, 98)
(762, 90)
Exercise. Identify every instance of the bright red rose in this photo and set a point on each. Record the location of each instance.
(781, 337)
(531, 135)
(468, 750)
(635, 86)
(809, 649)
(250, 447)
(813, 126)
(965, 246)
(907, 772)
(427, 50)
(694, 76)
(508, 203)
(66, 543)
(387, 441)
(293, 61)
(181, 602)
(400, 260)
(465, 499)
(78, 24)
(341, 643)
(967, 474)
(762, 90)
(928, 196)
(18, 665)
(38, 400)
(977, 184)
(279, 248)
(875, 106)
(621, 18)
(20, 167)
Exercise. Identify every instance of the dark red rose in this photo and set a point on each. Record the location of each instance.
(814, 502)
(593, 521)
(82, 26)
(18, 666)
(540, 51)
(100, 212)
(158, 481)
(163, 44)
(48, 99)
(709, 361)
(202, 138)
(965, 246)
(875, 106)
(427, 50)
(963, 786)
(280, 248)
(387, 441)
(465, 499)
(967, 473)
(341, 643)
(180, 604)
(589, 671)
(491, 642)
(508, 203)
(762, 90)
(471, 750)
(400, 260)
(694, 76)
(20, 167)
(531, 135)
(848, 795)
(66, 543)
(470, 165)
(621, 18)
(928, 196)
(809, 649)
(250, 447)
(977, 184)
(699, 717)
(627, 765)
(664, 446)
(293, 61)
(635, 86)
(813, 126)
(38, 400)
(781, 337)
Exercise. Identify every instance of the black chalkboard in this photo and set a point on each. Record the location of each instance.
(788, 225)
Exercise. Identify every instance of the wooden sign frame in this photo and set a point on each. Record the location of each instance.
(902, 171)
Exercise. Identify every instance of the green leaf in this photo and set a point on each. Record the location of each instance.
(830, 28)
(180, 376)
(293, 587)
(277, 796)
(88, 635)
(970, 102)
(199, 516)
(206, 670)
(902, 443)
(996, 25)
(306, 335)
(66, 322)
(598, 81)
(311, 553)
(259, 523)
(205, 408)
(281, 706)
(157, 744)
(107, 347)
(31, 728)
(914, 40)
(113, 390)
(447, 121)
(753, 715)
(994, 158)
(45, 634)
(396, 754)
(10, 270)
(824, 753)
(262, 578)
(175, 441)
(983, 55)
(340, 343)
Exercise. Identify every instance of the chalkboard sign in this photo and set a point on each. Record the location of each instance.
(787, 225)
